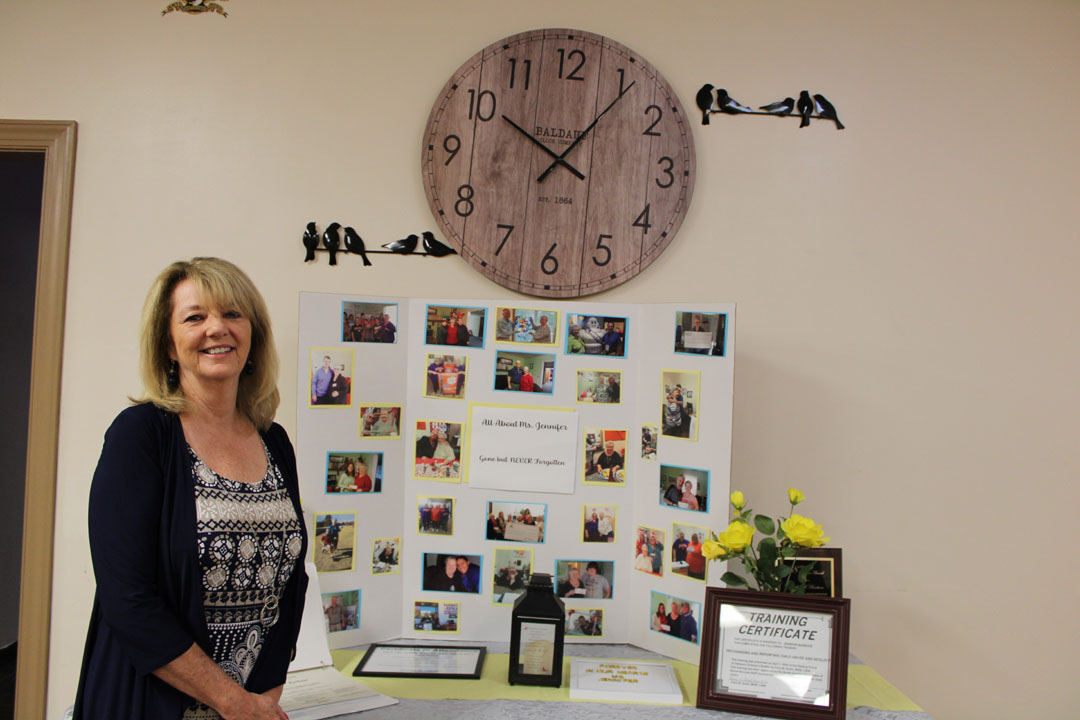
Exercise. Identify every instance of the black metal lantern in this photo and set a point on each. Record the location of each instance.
(536, 635)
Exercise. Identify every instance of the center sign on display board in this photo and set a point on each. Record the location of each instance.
(471, 443)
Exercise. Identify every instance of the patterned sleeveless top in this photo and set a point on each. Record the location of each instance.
(249, 541)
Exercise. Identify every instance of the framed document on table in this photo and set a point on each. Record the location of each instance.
(422, 661)
(774, 654)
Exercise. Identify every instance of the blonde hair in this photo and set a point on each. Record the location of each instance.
(220, 284)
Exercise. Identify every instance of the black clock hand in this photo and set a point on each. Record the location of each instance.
(585, 131)
(545, 148)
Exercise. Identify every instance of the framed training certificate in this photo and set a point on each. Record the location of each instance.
(774, 654)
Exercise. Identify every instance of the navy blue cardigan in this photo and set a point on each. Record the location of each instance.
(148, 605)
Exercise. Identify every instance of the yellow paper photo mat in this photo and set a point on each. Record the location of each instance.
(602, 434)
(502, 558)
(418, 609)
(329, 559)
(690, 380)
(554, 324)
(462, 382)
(337, 357)
(376, 549)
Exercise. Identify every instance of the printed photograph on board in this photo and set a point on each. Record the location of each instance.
(369, 322)
(452, 325)
(526, 325)
(354, 472)
(605, 457)
(514, 521)
(599, 386)
(649, 550)
(513, 568)
(525, 372)
(674, 616)
(452, 573)
(684, 488)
(698, 333)
(438, 451)
(595, 335)
(434, 515)
(386, 556)
(435, 617)
(341, 610)
(584, 622)
(679, 408)
(445, 376)
(598, 523)
(649, 434)
(380, 421)
(331, 372)
(591, 579)
(687, 558)
(335, 542)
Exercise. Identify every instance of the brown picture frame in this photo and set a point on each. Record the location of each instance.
(838, 610)
(831, 560)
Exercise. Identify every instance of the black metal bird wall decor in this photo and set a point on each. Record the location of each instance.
(354, 244)
(806, 109)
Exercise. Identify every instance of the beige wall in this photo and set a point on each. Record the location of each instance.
(907, 288)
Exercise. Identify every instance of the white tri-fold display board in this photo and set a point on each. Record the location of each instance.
(450, 448)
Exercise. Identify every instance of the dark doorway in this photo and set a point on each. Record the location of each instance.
(22, 177)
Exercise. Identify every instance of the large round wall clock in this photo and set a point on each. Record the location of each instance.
(558, 162)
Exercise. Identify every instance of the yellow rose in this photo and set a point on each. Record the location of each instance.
(803, 531)
(737, 536)
(712, 550)
(795, 496)
(737, 500)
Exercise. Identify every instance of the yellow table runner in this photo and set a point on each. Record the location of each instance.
(865, 686)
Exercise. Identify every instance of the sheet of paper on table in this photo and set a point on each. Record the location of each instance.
(624, 681)
(314, 689)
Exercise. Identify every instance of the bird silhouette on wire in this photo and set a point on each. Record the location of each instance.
(728, 104)
(355, 244)
(332, 241)
(826, 110)
(311, 241)
(403, 246)
(704, 102)
(806, 108)
(782, 108)
(434, 247)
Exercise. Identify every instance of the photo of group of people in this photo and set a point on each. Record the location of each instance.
(678, 411)
(595, 335)
(368, 322)
(605, 457)
(331, 377)
(648, 442)
(434, 515)
(435, 617)
(525, 372)
(354, 472)
(452, 573)
(598, 523)
(385, 557)
(341, 610)
(599, 386)
(700, 333)
(516, 521)
(675, 616)
(513, 568)
(461, 326)
(525, 325)
(593, 579)
(684, 488)
(584, 622)
(335, 542)
(687, 558)
(438, 451)
(649, 550)
(445, 376)
(380, 421)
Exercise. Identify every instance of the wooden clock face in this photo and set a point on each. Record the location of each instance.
(558, 162)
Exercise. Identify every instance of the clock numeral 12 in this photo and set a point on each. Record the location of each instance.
(513, 70)
(573, 75)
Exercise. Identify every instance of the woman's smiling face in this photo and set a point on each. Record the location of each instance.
(209, 344)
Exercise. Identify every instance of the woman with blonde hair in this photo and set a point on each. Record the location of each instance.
(196, 531)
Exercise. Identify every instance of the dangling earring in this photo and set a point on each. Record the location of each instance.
(172, 377)
(249, 367)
